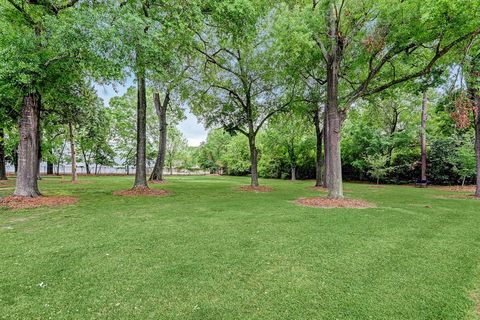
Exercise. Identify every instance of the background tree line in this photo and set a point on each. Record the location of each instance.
(324, 88)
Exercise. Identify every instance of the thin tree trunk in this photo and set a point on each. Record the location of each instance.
(73, 153)
(60, 159)
(319, 156)
(141, 163)
(476, 99)
(49, 168)
(161, 110)
(3, 169)
(253, 160)
(26, 183)
(325, 149)
(294, 171)
(332, 142)
(423, 137)
(15, 158)
(87, 162)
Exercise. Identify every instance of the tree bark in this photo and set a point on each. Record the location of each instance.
(3, 170)
(253, 160)
(161, 110)
(294, 173)
(73, 153)
(423, 138)
(26, 183)
(319, 156)
(141, 157)
(332, 141)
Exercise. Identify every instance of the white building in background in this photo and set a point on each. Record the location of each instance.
(66, 169)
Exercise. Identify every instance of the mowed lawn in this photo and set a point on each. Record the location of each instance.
(209, 251)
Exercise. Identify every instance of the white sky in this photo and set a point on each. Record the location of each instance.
(191, 128)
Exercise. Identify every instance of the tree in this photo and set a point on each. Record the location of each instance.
(176, 147)
(290, 132)
(40, 41)
(465, 160)
(123, 112)
(212, 150)
(370, 46)
(240, 86)
(377, 166)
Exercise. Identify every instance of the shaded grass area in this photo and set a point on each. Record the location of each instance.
(210, 251)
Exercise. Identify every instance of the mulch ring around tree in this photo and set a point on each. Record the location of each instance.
(138, 192)
(15, 202)
(323, 202)
(256, 189)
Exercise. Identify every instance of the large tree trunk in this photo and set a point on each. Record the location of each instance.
(161, 110)
(141, 161)
(26, 183)
(253, 160)
(423, 137)
(3, 170)
(332, 141)
(319, 156)
(73, 153)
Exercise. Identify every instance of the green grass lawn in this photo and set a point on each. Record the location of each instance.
(209, 251)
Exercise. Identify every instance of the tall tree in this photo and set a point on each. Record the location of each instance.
(370, 46)
(35, 57)
(240, 83)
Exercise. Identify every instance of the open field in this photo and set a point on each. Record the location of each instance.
(211, 251)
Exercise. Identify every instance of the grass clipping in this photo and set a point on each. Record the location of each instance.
(323, 202)
(15, 202)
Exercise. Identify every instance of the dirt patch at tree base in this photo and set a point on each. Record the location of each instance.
(256, 189)
(15, 202)
(322, 202)
(136, 192)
